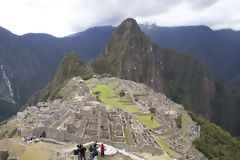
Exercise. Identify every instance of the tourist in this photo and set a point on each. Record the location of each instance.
(95, 145)
(95, 152)
(102, 150)
(91, 152)
(75, 153)
(25, 139)
(82, 152)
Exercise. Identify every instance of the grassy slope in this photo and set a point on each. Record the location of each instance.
(166, 148)
(215, 142)
(108, 97)
(146, 120)
(128, 137)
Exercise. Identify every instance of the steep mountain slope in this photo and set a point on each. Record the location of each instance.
(70, 66)
(29, 62)
(130, 54)
(219, 50)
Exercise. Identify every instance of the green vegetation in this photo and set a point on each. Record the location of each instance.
(152, 110)
(167, 135)
(122, 93)
(215, 142)
(148, 122)
(128, 137)
(178, 121)
(108, 97)
(102, 66)
(70, 66)
(166, 148)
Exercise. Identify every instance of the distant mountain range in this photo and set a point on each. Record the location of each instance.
(219, 50)
(30, 61)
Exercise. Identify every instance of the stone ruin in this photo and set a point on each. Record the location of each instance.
(79, 118)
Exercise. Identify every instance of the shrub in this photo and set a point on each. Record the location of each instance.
(122, 93)
(178, 121)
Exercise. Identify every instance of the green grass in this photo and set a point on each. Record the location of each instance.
(166, 148)
(108, 97)
(146, 120)
(167, 135)
(128, 137)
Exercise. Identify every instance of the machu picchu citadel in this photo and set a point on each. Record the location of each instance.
(109, 110)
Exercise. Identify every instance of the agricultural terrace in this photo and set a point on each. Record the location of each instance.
(148, 121)
(109, 95)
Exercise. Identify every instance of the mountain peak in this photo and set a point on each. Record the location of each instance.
(66, 69)
(128, 24)
(127, 35)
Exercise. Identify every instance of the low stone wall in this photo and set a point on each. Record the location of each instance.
(90, 131)
(52, 133)
(59, 122)
(147, 148)
(12, 133)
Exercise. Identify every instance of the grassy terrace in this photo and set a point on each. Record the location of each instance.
(167, 135)
(128, 137)
(110, 98)
(166, 148)
(148, 122)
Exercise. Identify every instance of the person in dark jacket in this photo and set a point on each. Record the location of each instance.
(76, 152)
(82, 151)
(91, 150)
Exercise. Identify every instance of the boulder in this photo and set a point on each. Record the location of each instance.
(12, 158)
(4, 154)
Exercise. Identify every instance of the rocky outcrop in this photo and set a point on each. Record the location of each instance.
(6, 155)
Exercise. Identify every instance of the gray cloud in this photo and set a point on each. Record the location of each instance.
(200, 4)
(63, 17)
(113, 12)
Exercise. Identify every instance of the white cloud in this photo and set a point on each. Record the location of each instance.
(62, 17)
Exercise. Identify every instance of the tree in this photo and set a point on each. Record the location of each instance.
(122, 93)
(152, 110)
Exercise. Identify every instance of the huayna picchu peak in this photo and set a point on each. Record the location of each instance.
(135, 101)
(130, 54)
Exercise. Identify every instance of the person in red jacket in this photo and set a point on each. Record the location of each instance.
(102, 150)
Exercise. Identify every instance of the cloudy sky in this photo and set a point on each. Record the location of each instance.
(64, 17)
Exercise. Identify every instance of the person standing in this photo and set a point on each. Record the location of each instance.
(75, 153)
(82, 152)
(102, 150)
(91, 152)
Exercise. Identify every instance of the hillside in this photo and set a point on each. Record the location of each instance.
(30, 61)
(96, 109)
(29, 66)
(130, 54)
(70, 66)
(218, 49)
